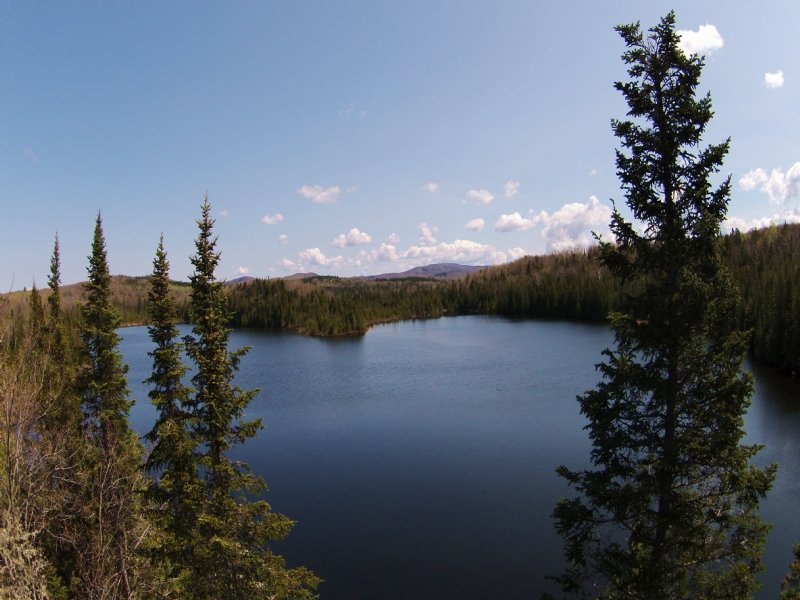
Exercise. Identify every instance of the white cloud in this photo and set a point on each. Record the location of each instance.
(511, 189)
(572, 225)
(475, 225)
(243, 270)
(703, 41)
(224, 213)
(272, 219)
(354, 237)
(283, 239)
(427, 234)
(592, 172)
(751, 179)
(431, 187)
(778, 186)
(774, 80)
(314, 256)
(319, 195)
(459, 251)
(393, 239)
(479, 196)
(288, 265)
(514, 222)
(516, 253)
(28, 152)
(386, 253)
(746, 225)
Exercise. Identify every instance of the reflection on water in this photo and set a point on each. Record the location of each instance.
(419, 459)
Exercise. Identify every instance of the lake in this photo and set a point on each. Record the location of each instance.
(418, 460)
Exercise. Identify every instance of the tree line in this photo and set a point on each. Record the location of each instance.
(86, 510)
(764, 264)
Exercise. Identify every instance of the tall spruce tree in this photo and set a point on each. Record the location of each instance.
(669, 509)
(110, 529)
(55, 324)
(233, 559)
(171, 461)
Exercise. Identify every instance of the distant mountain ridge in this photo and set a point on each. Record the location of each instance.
(435, 271)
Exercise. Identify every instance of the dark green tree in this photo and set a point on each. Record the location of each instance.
(669, 508)
(175, 485)
(232, 558)
(109, 527)
(55, 324)
(37, 319)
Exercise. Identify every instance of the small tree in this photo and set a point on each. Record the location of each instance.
(670, 508)
(232, 558)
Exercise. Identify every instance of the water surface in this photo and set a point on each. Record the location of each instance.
(418, 460)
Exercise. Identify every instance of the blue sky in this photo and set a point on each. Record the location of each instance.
(355, 137)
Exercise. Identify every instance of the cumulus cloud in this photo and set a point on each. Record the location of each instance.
(243, 270)
(393, 239)
(289, 265)
(314, 256)
(572, 225)
(732, 223)
(514, 222)
(480, 196)
(354, 237)
(592, 172)
(778, 186)
(475, 225)
(459, 251)
(385, 253)
(272, 219)
(427, 234)
(431, 187)
(319, 195)
(516, 253)
(511, 189)
(224, 213)
(283, 239)
(751, 179)
(773, 80)
(703, 41)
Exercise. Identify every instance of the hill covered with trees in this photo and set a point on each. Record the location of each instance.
(764, 263)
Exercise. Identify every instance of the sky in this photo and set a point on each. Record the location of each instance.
(356, 137)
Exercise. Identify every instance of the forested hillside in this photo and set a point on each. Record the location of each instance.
(765, 263)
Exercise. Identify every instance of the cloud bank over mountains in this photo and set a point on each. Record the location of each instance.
(571, 226)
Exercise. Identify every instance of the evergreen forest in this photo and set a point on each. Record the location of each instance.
(764, 264)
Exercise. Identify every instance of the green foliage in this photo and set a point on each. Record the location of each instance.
(231, 557)
(171, 460)
(790, 587)
(670, 508)
(766, 265)
(109, 513)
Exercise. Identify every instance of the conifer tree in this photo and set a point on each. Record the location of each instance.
(37, 321)
(55, 324)
(110, 526)
(669, 508)
(233, 559)
(171, 461)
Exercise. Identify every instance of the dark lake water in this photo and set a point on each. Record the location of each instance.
(418, 460)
